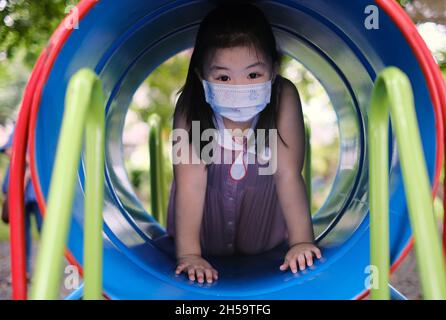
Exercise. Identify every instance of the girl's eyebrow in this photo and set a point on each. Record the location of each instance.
(218, 68)
(258, 63)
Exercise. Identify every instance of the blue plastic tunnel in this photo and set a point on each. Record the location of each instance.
(124, 41)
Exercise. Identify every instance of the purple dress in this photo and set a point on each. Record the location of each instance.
(242, 214)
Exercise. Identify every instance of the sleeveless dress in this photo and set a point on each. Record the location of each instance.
(242, 213)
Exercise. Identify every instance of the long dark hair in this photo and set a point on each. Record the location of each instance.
(229, 25)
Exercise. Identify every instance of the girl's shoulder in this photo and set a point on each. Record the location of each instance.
(179, 120)
(289, 95)
(286, 86)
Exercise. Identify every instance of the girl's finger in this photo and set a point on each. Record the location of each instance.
(317, 252)
(284, 265)
(191, 273)
(309, 257)
(293, 265)
(301, 259)
(215, 274)
(180, 268)
(209, 276)
(200, 275)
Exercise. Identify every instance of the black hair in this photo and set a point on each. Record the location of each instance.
(227, 26)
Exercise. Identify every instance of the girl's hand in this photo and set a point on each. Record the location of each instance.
(195, 266)
(303, 254)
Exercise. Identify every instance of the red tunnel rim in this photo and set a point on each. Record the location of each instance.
(53, 48)
(395, 12)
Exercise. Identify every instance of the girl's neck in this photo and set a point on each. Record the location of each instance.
(232, 125)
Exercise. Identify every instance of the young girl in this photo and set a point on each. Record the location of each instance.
(228, 208)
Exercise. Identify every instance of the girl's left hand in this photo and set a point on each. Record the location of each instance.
(302, 254)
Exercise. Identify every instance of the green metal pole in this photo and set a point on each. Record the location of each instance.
(379, 200)
(393, 90)
(94, 195)
(55, 229)
(162, 177)
(157, 183)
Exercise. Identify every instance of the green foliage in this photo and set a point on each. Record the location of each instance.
(156, 95)
(13, 78)
(305, 78)
(29, 24)
(443, 64)
(25, 27)
(163, 85)
(136, 176)
(404, 2)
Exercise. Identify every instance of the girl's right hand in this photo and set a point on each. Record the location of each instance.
(196, 268)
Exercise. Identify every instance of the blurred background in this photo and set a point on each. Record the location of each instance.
(25, 27)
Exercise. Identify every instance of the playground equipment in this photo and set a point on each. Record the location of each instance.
(392, 94)
(84, 108)
(157, 181)
(124, 41)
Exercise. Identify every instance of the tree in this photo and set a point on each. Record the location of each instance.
(25, 27)
(28, 24)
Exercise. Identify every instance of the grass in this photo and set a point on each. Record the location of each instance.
(4, 228)
(4, 232)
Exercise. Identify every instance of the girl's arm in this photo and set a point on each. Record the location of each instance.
(191, 180)
(289, 181)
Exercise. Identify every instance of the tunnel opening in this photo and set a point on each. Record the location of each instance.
(351, 140)
(153, 98)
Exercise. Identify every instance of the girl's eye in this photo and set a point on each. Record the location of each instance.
(253, 75)
(223, 78)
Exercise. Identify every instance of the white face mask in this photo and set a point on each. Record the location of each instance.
(238, 103)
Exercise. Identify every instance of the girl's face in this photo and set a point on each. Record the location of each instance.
(238, 66)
